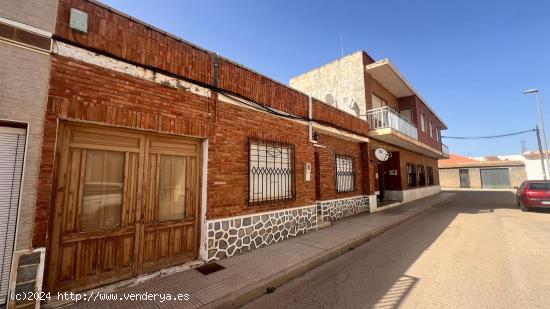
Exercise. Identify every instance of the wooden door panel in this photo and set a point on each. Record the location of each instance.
(94, 231)
(89, 260)
(73, 190)
(93, 137)
(131, 189)
(192, 189)
(106, 225)
(151, 188)
(67, 262)
(177, 238)
(169, 236)
(173, 146)
(168, 246)
(85, 259)
(162, 242)
(191, 238)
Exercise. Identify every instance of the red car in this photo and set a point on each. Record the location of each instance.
(533, 194)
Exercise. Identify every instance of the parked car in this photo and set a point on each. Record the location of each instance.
(533, 194)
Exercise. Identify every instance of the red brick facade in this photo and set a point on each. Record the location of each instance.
(84, 92)
(425, 137)
(327, 149)
(228, 160)
(417, 108)
(405, 157)
(119, 36)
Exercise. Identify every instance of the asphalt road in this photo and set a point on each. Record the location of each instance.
(478, 250)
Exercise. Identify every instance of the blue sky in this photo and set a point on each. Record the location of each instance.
(469, 59)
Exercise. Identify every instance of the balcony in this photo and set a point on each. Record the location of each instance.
(389, 126)
(385, 117)
(445, 150)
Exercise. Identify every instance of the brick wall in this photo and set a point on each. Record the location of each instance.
(124, 38)
(405, 156)
(228, 160)
(424, 137)
(120, 36)
(393, 182)
(84, 92)
(326, 114)
(409, 103)
(335, 146)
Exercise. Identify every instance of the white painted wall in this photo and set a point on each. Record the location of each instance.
(412, 194)
(532, 167)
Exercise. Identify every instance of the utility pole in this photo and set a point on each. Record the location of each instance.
(536, 92)
(541, 155)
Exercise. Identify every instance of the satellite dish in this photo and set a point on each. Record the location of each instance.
(329, 98)
(355, 107)
(381, 154)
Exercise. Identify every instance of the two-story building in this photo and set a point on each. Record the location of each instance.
(157, 152)
(401, 123)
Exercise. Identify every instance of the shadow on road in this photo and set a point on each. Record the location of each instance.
(374, 275)
(415, 237)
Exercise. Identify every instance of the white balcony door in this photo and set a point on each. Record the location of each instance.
(377, 102)
(407, 114)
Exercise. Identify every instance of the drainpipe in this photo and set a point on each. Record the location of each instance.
(215, 78)
(310, 118)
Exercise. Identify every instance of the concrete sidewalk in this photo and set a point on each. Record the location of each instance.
(250, 275)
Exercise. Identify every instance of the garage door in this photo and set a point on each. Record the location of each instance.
(495, 178)
(12, 150)
(127, 203)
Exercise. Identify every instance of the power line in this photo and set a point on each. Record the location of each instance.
(490, 136)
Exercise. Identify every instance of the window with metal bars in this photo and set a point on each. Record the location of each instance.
(430, 176)
(421, 176)
(345, 174)
(271, 172)
(411, 175)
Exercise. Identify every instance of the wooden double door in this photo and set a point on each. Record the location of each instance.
(126, 203)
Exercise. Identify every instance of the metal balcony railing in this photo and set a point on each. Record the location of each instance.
(445, 149)
(385, 117)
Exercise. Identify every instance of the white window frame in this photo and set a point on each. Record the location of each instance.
(422, 122)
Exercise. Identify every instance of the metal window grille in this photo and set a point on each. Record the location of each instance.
(345, 174)
(411, 175)
(421, 176)
(271, 172)
(430, 175)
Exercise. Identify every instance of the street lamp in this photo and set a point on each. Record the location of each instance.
(536, 92)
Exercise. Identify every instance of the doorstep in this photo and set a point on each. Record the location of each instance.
(249, 275)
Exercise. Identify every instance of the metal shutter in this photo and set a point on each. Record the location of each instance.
(495, 178)
(12, 150)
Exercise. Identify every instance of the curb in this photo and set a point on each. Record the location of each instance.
(257, 289)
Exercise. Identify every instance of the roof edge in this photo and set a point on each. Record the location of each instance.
(386, 61)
